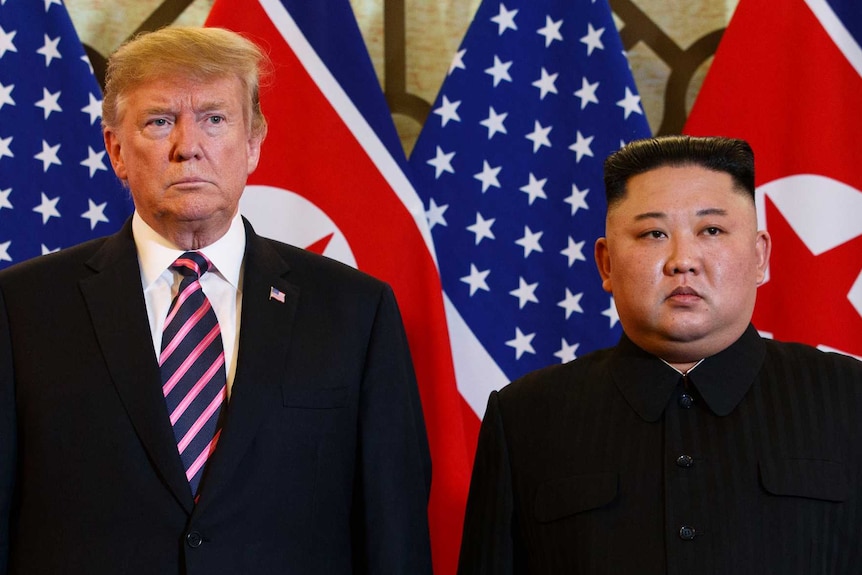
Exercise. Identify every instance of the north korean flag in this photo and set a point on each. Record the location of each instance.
(331, 179)
(787, 77)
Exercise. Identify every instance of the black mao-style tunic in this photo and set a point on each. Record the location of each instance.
(615, 463)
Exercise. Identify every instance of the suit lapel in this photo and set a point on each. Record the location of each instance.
(115, 300)
(265, 330)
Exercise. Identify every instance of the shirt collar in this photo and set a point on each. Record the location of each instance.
(156, 254)
(722, 380)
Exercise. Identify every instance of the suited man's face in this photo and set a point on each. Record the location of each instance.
(185, 150)
(683, 259)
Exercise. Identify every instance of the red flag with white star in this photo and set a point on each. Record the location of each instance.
(331, 180)
(788, 79)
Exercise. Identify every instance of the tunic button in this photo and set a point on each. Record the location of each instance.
(684, 461)
(686, 401)
(687, 532)
(194, 539)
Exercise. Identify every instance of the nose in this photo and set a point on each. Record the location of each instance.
(186, 139)
(683, 257)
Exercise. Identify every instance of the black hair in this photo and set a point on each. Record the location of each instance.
(729, 155)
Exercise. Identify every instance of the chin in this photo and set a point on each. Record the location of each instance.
(701, 341)
(689, 335)
(198, 212)
(684, 330)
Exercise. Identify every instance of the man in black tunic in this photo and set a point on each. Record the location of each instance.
(694, 445)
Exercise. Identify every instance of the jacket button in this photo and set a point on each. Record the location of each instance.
(684, 461)
(194, 539)
(687, 532)
(685, 401)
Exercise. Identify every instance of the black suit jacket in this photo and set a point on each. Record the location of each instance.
(615, 464)
(322, 466)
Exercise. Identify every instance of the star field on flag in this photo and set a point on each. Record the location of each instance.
(57, 187)
(509, 164)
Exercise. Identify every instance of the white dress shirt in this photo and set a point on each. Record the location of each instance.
(222, 284)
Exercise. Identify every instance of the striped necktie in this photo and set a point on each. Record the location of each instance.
(193, 369)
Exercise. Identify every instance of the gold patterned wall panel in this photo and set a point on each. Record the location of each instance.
(670, 44)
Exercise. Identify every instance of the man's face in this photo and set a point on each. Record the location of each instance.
(683, 259)
(184, 147)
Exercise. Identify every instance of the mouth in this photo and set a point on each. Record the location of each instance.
(188, 182)
(684, 294)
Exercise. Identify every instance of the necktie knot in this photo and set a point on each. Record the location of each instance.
(191, 264)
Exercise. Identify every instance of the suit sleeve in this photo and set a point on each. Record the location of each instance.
(8, 437)
(487, 545)
(394, 466)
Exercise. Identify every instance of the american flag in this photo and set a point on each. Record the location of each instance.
(509, 164)
(57, 187)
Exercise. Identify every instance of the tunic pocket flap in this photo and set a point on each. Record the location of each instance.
(314, 398)
(562, 497)
(810, 478)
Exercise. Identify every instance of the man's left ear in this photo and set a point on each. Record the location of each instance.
(254, 143)
(763, 246)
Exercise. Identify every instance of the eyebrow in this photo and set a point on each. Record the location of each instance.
(156, 111)
(205, 108)
(662, 215)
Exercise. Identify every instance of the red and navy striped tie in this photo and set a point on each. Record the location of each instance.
(193, 369)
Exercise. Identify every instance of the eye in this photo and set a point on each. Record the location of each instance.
(712, 231)
(159, 122)
(654, 234)
(215, 120)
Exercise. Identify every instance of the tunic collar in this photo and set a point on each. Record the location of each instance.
(722, 380)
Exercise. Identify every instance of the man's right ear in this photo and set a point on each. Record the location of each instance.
(112, 146)
(603, 263)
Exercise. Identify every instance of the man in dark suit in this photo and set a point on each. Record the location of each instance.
(188, 397)
(694, 445)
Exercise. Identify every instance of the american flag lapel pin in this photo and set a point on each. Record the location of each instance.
(276, 294)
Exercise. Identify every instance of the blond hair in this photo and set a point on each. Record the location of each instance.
(200, 53)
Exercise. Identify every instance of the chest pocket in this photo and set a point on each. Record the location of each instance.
(809, 478)
(562, 497)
